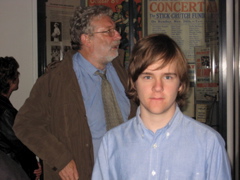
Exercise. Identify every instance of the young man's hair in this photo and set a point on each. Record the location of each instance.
(81, 22)
(154, 48)
(8, 72)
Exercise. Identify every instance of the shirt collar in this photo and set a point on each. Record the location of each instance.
(169, 128)
(80, 61)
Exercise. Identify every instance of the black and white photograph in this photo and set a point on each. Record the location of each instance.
(56, 34)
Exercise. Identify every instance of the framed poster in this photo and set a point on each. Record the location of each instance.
(58, 14)
(53, 30)
(127, 14)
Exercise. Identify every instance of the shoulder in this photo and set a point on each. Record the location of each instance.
(58, 69)
(67, 61)
(52, 65)
(201, 131)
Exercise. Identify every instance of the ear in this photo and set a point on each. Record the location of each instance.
(180, 88)
(85, 39)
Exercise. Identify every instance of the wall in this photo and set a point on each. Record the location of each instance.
(18, 38)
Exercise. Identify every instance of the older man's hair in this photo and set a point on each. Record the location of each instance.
(81, 22)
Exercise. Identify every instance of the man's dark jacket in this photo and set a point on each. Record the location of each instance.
(53, 121)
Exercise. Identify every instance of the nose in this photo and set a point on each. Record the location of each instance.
(117, 35)
(158, 86)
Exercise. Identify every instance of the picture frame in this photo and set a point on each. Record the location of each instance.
(53, 30)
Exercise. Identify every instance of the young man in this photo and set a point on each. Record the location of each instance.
(161, 142)
(63, 120)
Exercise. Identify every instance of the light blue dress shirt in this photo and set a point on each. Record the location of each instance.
(184, 149)
(90, 85)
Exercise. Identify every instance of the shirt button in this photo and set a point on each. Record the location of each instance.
(87, 145)
(167, 134)
(153, 173)
(155, 146)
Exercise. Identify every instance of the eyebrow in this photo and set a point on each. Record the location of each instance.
(146, 73)
(171, 74)
(109, 27)
(167, 73)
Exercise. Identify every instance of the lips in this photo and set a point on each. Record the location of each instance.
(156, 98)
(116, 46)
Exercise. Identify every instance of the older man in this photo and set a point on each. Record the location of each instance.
(64, 119)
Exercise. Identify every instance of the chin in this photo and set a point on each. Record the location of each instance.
(111, 57)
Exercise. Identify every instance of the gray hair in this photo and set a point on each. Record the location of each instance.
(80, 23)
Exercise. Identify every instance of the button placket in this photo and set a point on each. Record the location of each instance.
(154, 157)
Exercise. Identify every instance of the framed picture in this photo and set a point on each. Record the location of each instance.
(53, 30)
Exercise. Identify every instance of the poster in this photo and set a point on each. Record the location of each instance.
(184, 21)
(58, 13)
(206, 75)
(121, 18)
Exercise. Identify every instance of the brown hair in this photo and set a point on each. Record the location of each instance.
(154, 48)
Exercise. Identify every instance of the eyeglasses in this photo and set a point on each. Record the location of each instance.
(111, 32)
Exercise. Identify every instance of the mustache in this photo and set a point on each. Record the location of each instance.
(116, 43)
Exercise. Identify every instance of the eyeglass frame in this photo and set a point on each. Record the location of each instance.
(112, 30)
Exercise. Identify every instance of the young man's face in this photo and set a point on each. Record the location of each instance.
(105, 45)
(157, 90)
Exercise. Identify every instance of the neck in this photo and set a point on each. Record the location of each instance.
(157, 121)
(154, 124)
(94, 60)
